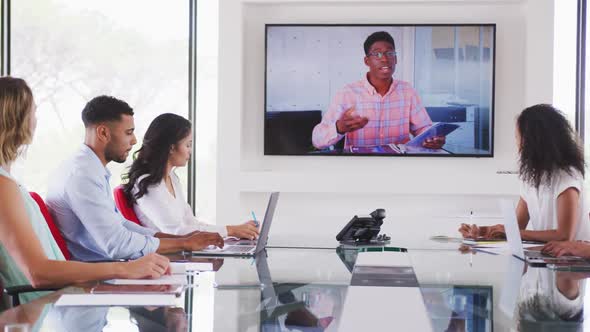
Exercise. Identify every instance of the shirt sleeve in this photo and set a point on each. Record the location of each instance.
(96, 212)
(138, 229)
(567, 181)
(324, 133)
(419, 118)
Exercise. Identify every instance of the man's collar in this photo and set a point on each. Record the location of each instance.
(371, 89)
(92, 155)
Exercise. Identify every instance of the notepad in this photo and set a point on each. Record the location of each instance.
(159, 300)
(174, 279)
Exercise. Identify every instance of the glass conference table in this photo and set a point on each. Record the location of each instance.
(305, 289)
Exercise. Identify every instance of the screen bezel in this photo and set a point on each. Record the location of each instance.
(493, 99)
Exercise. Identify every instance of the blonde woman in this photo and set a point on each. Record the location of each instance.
(28, 253)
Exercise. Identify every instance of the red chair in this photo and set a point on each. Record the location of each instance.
(124, 207)
(61, 242)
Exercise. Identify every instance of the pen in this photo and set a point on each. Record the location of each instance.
(254, 218)
(471, 217)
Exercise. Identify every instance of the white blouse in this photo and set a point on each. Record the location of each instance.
(542, 202)
(161, 211)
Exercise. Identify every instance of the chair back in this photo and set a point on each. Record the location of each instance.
(124, 206)
(59, 239)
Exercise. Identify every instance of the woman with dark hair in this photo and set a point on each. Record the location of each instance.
(551, 164)
(154, 189)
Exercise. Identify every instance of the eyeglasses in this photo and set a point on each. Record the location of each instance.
(379, 55)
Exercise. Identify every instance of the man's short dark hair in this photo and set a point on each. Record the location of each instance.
(375, 37)
(103, 109)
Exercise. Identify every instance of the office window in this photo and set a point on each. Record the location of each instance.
(72, 51)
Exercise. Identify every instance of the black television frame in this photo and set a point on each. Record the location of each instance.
(493, 96)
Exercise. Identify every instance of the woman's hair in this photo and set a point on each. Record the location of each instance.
(16, 105)
(163, 133)
(547, 145)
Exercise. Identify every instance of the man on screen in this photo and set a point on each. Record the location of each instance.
(377, 109)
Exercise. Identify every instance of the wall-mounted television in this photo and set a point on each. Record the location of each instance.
(387, 89)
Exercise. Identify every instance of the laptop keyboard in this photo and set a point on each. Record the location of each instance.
(238, 248)
(535, 254)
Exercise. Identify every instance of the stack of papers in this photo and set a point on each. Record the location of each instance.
(178, 277)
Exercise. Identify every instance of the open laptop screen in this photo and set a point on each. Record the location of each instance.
(511, 228)
(270, 210)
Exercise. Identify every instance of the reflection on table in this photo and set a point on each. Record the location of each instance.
(306, 290)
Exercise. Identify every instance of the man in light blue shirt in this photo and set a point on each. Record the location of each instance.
(80, 199)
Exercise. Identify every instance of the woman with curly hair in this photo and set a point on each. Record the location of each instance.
(551, 165)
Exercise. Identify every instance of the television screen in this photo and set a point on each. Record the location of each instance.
(395, 90)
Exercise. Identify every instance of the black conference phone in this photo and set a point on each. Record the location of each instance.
(364, 230)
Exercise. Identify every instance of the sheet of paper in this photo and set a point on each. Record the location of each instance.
(174, 279)
(160, 300)
(177, 268)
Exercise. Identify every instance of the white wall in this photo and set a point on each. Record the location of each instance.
(524, 40)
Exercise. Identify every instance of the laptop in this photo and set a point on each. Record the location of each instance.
(247, 248)
(532, 257)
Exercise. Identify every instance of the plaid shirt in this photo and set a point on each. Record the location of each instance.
(392, 117)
